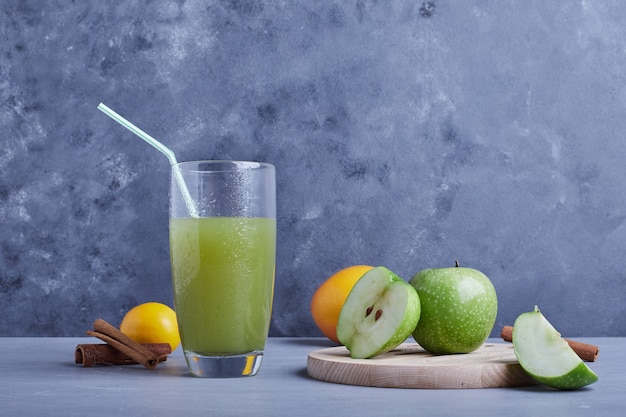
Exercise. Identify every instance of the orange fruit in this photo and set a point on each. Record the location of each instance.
(329, 298)
(151, 323)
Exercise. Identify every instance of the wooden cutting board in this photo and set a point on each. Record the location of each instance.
(493, 365)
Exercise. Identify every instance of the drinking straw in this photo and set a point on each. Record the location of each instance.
(193, 211)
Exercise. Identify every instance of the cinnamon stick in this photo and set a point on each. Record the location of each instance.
(89, 355)
(114, 337)
(585, 351)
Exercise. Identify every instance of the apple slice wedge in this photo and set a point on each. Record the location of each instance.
(546, 356)
(381, 311)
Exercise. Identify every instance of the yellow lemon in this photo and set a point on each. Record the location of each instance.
(329, 298)
(151, 323)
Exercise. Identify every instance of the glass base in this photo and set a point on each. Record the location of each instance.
(228, 366)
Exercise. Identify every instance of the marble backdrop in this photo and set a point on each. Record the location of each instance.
(408, 134)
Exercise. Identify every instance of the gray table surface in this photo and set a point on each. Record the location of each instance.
(39, 378)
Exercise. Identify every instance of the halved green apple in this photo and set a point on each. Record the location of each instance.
(380, 312)
(546, 356)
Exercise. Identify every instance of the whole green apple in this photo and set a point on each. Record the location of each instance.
(458, 309)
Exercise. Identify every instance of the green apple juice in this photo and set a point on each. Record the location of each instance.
(223, 281)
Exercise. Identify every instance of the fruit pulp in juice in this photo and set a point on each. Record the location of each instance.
(223, 281)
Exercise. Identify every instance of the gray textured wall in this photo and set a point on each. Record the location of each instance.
(407, 134)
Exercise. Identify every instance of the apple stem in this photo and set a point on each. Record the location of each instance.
(456, 263)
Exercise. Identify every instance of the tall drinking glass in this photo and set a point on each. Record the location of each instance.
(223, 255)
